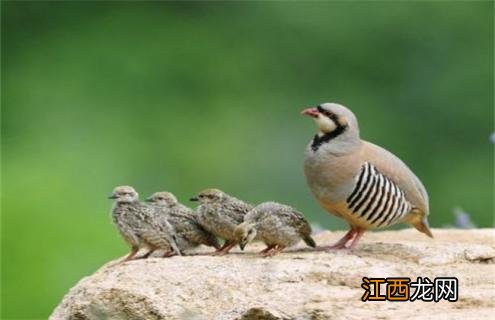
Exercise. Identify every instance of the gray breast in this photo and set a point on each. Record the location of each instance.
(377, 199)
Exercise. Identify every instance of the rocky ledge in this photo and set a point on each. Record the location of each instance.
(298, 284)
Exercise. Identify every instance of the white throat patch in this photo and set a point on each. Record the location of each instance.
(325, 124)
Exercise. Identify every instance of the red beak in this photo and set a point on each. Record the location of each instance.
(312, 112)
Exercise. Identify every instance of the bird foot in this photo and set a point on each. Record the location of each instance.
(224, 250)
(145, 256)
(271, 252)
(267, 254)
(219, 253)
(334, 247)
(169, 254)
(267, 249)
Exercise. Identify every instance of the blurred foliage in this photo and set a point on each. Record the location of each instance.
(183, 96)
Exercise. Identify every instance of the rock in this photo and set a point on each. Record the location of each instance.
(299, 284)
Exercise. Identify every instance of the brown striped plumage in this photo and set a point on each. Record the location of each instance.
(140, 224)
(358, 181)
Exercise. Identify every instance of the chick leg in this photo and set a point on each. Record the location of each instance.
(274, 251)
(170, 253)
(147, 254)
(131, 254)
(226, 244)
(173, 244)
(277, 250)
(220, 251)
(270, 247)
(226, 248)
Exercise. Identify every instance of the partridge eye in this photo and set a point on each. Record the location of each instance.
(250, 231)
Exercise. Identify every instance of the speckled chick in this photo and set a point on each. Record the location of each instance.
(139, 225)
(220, 214)
(279, 226)
(189, 233)
(359, 181)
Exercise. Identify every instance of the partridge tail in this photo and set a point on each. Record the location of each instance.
(423, 226)
(309, 241)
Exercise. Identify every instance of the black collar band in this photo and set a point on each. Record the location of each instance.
(327, 137)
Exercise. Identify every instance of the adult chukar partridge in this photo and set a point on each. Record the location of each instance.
(358, 181)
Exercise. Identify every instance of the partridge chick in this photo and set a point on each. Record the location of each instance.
(358, 181)
(139, 225)
(189, 233)
(277, 225)
(220, 213)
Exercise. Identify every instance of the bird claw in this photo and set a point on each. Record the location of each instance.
(169, 254)
(334, 247)
(271, 251)
(218, 253)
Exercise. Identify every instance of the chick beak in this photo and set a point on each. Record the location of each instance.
(242, 246)
(112, 196)
(149, 199)
(312, 112)
(194, 199)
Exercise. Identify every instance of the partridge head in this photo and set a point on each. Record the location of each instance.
(124, 194)
(163, 198)
(244, 234)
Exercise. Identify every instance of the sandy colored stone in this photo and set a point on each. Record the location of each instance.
(300, 284)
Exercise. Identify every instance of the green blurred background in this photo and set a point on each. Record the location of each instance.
(183, 96)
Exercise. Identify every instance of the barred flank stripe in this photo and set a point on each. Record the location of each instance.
(376, 198)
(364, 171)
(388, 203)
(376, 193)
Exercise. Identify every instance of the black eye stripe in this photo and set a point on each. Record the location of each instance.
(327, 113)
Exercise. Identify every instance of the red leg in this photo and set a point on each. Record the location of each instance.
(224, 246)
(147, 254)
(131, 254)
(225, 249)
(270, 247)
(169, 253)
(343, 241)
(274, 251)
(358, 236)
